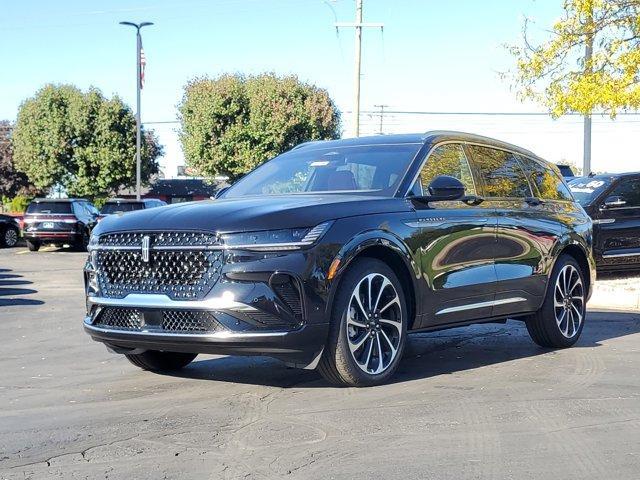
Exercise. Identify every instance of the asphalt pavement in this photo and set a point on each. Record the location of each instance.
(469, 403)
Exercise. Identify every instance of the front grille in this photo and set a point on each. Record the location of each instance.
(189, 321)
(171, 321)
(120, 318)
(180, 274)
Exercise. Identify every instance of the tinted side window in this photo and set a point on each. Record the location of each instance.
(446, 160)
(629, 190)
(502, 174)
(546, 181)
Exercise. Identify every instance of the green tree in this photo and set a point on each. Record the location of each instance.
(12, 182)
(233, 123)
(81, 141)
(559, 74)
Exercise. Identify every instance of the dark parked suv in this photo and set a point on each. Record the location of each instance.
(328, 255)
(59, 221)
(9, 231)
(613, 202)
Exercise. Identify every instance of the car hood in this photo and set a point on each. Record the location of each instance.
(252, 213)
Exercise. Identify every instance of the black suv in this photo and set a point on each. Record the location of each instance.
(59, 221)
(9, 231)
(328, 255)
(613, 202)
(124, 205)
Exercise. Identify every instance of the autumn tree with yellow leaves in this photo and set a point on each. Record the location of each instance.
(562, 74)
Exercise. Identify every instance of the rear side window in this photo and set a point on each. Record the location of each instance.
(629, 190)
(545, 180)
(449, 160)
(501, 173)
(50, 207)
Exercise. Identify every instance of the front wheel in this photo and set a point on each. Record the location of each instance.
(368, 326)
(10, 237)
(157, 361)
(559, 322)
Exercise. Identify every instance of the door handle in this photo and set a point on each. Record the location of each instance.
(534, 201)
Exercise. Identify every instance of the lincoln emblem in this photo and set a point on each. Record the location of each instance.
(146, 247)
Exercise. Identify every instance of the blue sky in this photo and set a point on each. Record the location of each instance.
(432, 55)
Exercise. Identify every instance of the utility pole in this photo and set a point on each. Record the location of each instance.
(138, 88)
(588, 68)
(381, 107)
(358, 25)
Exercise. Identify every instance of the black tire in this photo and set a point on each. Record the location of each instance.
(338, 364)
(157, 361)
(82, 244)
(10, 237)
(543, 327)
(33, 246)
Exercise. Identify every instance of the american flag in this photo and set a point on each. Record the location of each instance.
(143, 63)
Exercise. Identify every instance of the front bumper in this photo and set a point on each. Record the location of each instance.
(252, 314)
(300, 348)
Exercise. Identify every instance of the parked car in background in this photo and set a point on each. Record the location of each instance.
(123, 205)
(60, 222)
(613, 202)
(566, 171)
(327, 255)
(9, 231)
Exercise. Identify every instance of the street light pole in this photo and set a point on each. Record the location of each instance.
(138, 88)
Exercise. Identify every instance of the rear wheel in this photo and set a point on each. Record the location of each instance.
(10, 237)
(33, 245)
(368, 326)
(157, 361)
(559, 323)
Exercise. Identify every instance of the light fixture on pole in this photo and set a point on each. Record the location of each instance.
(139, 81)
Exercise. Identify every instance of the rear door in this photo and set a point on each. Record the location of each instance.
(528, 224)
(456, 244)
(618, 238)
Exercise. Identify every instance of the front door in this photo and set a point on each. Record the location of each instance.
(457, 242)
(618, 224)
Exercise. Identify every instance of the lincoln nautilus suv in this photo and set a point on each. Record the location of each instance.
(330, 254)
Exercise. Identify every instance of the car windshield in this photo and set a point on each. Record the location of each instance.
(587, 189)
(115, 207)
(362, 169)
(63, 208)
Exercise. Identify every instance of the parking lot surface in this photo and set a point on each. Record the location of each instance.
(469, 403)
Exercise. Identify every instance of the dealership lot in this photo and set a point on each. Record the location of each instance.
(480, 402)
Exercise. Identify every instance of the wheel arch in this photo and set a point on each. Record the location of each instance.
(392, 251)
(578, 252)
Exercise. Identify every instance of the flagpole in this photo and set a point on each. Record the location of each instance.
(138, 88)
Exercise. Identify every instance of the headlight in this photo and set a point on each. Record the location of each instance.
(276, 240)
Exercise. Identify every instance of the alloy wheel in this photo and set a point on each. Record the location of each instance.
(374, 323)
(568, 301)
(10, 237)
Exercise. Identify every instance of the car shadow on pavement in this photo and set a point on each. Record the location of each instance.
(426, 354)
(11, 289)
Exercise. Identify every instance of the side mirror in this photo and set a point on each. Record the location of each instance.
(614, 201)
(219, 193)
(443, 188)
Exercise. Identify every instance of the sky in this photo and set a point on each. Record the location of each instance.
(432, 55)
